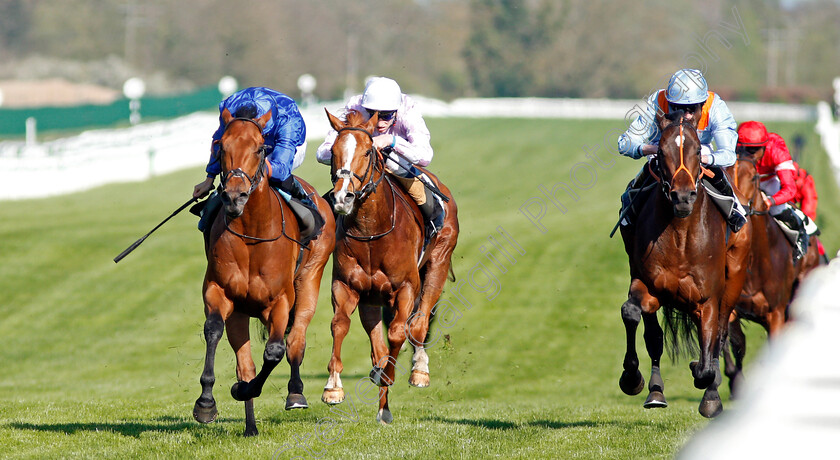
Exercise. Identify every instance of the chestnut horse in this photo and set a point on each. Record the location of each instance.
(772, 277)
(682, 258)
(252, 254)
(377, 261)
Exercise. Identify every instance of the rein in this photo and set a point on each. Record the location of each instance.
(756, 178)
(255, 181)
(238, 172)
(374, 164)
(666, 185)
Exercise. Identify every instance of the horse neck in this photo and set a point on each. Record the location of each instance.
(374, 213)
(256, 218)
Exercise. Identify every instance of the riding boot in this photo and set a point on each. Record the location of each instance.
(433, 215)
(209, 210)
(309, 217)
(737, 215)
(628, 197)
(793, 222)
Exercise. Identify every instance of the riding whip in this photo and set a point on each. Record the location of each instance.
(138, 242)
(432, 188)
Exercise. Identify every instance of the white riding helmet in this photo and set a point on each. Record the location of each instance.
(687, 86)
(382, 94)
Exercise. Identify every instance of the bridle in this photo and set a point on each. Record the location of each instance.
(375, 163)
(238, 172)
(756, 180)
(667, 187)
(255, 182)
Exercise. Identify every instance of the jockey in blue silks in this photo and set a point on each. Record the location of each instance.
(687, 91)
(284, 135)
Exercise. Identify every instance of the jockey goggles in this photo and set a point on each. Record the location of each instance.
(688, 108)
(384, 115)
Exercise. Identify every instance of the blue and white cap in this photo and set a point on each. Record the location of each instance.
(687, 86)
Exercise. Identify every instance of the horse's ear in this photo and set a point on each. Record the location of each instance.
(370, 126)
(226, 116)
(661, 122)
(263, 120)
(334, 121)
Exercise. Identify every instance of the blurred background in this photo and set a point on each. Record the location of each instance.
(785, 51)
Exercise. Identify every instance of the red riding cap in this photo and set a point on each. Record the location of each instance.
(752, 134)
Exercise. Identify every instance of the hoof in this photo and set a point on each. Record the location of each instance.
(419, 379)
(333, 395)
(655, 399)
(631, 384)
(205, 414)
(710, 408)
(735, 385)
(384, 417)
(238, 390)
(378, 377)
(296, 401)
(250, 431)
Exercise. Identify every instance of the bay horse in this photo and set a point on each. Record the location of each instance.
(252, 252)
(684, 259)
(772, 277)
(377, 261)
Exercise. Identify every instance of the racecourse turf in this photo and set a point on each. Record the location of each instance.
(103, 360)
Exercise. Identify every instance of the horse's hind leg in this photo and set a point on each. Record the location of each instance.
(733, 365)
(418, 323)
(240, 340)
(654, 342)
(204, 410)
(631, 381)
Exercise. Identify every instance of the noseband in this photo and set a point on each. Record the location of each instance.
(374, 160)
(238, 172)
(667, 187)
(756, 180)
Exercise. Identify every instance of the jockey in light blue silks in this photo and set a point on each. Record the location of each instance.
(284, 136)
(688, 91)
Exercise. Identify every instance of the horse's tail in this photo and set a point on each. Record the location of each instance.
(680, 334)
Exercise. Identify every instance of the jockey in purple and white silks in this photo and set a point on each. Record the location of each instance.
(688, 91)
(402, 134)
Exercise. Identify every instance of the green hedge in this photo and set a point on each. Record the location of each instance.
(13, 121)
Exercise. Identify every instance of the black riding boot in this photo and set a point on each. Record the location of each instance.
(793, 222)
(720, 182)
(309, 218)
(433, 215)
(629, 197)
(207, 210)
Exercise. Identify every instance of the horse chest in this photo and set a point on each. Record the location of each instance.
(681, 286)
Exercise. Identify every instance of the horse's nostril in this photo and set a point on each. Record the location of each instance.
(693, 194)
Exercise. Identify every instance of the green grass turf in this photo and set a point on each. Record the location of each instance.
(103, 359)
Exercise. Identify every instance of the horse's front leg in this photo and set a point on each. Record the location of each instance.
(306, 299)
(215, 303)
(706, 372)
(631, 381)
(385, 367)
(239, 336)
(276, 319)
(733, 365)
(345, 301)
(654, 343)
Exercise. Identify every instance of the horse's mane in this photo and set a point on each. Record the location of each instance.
(675, 117)
(355, 118)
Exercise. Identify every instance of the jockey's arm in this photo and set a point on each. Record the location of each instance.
(324, 152)
(640, 138)
(416, 146)
(788, 188)
(809, 198)
(724, 133)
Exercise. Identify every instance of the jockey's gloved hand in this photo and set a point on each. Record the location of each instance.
(706, 155)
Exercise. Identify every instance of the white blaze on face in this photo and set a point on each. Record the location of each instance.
(678, 140)
(349, 149)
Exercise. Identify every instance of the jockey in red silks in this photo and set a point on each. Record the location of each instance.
(806, 192)
(777, 183)
(806, 199)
